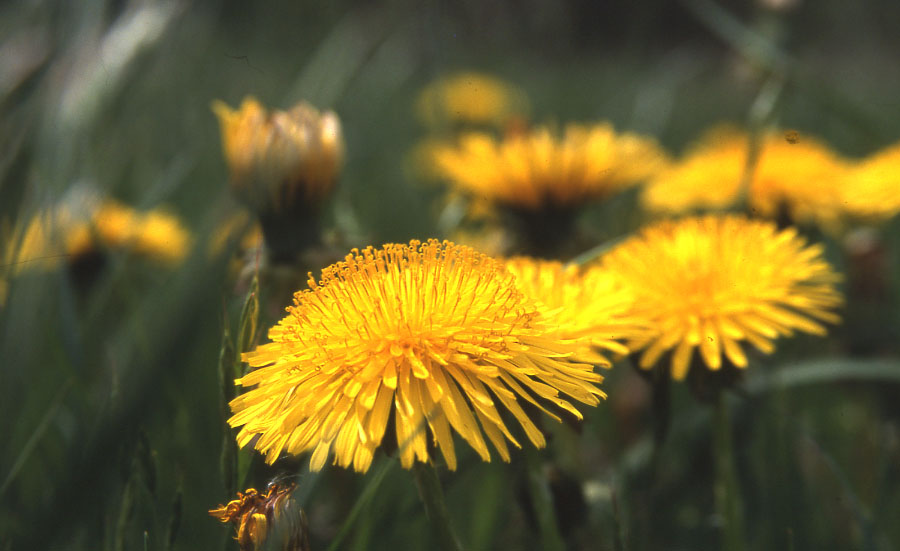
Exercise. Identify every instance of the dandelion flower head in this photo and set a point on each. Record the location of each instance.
(70, 231)
(714, 281)
(587, 304)
(471, 98)
(537, 169)
(799, 177)
(872, 188)
(433, 333)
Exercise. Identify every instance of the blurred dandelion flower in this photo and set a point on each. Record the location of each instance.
(153, 234)
(434, 334)
(283, 165)
(472, 98)
(68, 233)
(713, 281)
(270, 516)
(795, 177)
(542, 180)
(537, 169)
(590, 305)
(871, 190)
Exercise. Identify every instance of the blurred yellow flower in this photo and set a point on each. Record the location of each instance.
(257, 516)
(537, 170)
(154, 234)
(433, 334)
(713, 281)
(64, 233)
(472, 98)
(589, 305)
(871, 190)
(280, 160)
(794, 175)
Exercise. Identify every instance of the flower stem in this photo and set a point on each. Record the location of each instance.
(542, 501)
(435, 508)
(728, 498)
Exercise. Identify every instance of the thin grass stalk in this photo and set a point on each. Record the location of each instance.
(435, 507)
(729, 505)
(542, 501)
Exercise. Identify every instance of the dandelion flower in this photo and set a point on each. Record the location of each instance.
(872, 188)
(472, 98)
(433, 334)
(66, 232)
(154, 233)
(714, 281)
(798, 177)
(257, 516)
(537, 169)
(540, 180)
(590, 305)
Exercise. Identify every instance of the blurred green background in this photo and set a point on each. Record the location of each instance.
(110, 399)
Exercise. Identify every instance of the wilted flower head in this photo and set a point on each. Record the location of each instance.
(258, 517)
(794, 175)
(871, 190)
(714, 281)
(280, 160)
(472, 98)
(586, 304)
(434, 334)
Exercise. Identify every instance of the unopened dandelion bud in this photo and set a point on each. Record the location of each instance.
(283, 165)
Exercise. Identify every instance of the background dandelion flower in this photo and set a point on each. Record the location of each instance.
(798, 179)
(537, 169)
(469, 97)
(435, 333)
(872, 188)
(64, 232)
(713, 281)
(590, 305)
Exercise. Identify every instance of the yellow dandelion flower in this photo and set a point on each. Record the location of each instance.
(154, 234)
(711, 282)
(537, 170)
(280, 160)
(433, 334)
(472, 98)
(872, 188)
(797, 176)
(65, 233)
(588, 304)
(256, 516)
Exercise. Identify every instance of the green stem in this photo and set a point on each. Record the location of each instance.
(435, 508)
(728, 498)
(542, 501)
